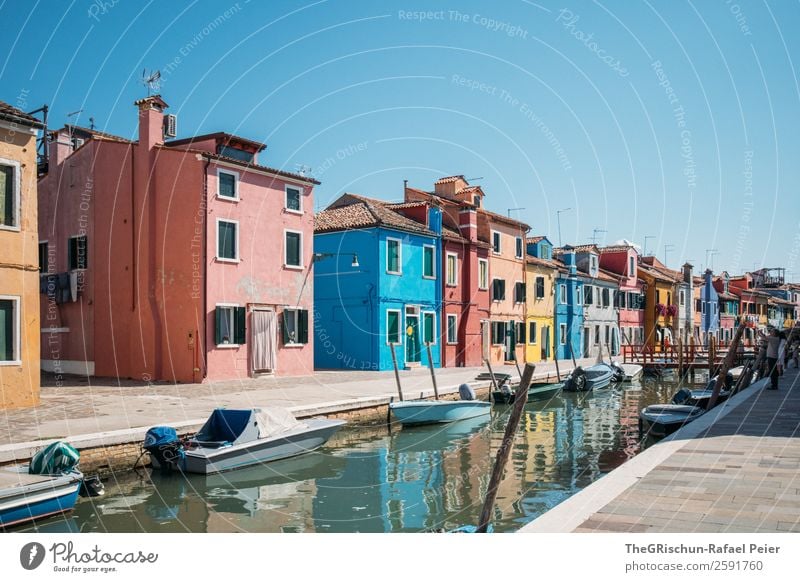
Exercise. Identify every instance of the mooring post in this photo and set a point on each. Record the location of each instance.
(433, 374)
(724, 368)
(558, 374)
(712, 356)
(680, 359)
(396, 373)
(504, 451)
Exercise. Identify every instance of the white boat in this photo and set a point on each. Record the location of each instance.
(51, 489)
(232, 439)
(632, 372)
(435, 411)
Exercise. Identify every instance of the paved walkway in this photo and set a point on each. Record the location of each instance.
(736, 470)
(84, 407)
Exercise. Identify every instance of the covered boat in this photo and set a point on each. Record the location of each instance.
(583, 379)
(48, 486)
(660, 420)
(231, 439)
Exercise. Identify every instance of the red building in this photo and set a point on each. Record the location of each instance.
(465, 264)
(621, 262)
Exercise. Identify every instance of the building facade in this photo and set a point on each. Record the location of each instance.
(600, 332)
(728, 308)
(622, 262)
(569, 306)
(159, 270)
(661, 309)
(19, 260)
(540, 286)
(709, 309)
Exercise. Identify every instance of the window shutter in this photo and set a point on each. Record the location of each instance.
(239, 325)
(521, 333)
(302, 324)
(285, 327)
(218, 315)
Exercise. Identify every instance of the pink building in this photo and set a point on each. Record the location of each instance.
(621, 262)
(180, 261)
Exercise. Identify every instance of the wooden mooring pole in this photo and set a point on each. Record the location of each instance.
(396, 373)
(680, 359)
(504, 451)
(726, 364)
(433, 374)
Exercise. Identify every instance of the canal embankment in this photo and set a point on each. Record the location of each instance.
(734, 470)
(106, 419)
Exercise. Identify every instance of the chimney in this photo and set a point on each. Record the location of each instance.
(59, 147)
(568, 258)
(435, 219)
(468, 224)
(687, 273)
(151, 121)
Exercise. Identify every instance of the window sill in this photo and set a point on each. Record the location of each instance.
(222, 260)
(483, 288)
(11, 363)
(227, 198)
(294, 267)
(295, 345)
(391, 344)
(449, 343)
(10, 228)
(398, 273)
(433, 278)
(451, 285)
(228, 346)
(290, 211)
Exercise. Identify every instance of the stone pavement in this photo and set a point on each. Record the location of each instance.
(733, 471)
(104, 407)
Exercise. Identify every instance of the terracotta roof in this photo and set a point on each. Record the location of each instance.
(779, 301)
(659, 274)
(504, 219)
(615, 276)
(577, 249)
(534, 239)
(14, 115)
(614, 249)
(227, 138)
(248, 165)
(448, 179)
(551, 264)
(401, 205)
(471, 189)
(354, 211)
(728, 296)
(601, 276)
(93, 133)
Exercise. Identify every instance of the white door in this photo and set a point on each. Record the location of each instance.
(264, 329)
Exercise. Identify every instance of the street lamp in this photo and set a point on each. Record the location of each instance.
(319, 256)
(558, 216)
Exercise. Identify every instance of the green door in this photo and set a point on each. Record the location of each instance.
(413, 344)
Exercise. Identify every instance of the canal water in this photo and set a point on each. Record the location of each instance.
(413, 479)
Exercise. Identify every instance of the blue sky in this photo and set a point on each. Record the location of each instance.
(672, 120)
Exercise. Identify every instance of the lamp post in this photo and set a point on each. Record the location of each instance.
(558, 216)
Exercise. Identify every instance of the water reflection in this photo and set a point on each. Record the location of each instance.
(414, 479)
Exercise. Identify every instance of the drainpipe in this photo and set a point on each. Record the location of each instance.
(134, 277)
(204, 204)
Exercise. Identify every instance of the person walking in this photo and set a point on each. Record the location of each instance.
(773, 346)
(781, 353)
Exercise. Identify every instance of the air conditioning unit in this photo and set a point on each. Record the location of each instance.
(170, 125)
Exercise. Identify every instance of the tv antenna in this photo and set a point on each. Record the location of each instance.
(91, 123)
(594, 234)
(510, 210)
(303, 170)
(152, 81)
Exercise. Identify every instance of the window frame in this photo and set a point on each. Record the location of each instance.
(499, 250)
(286, 188)
(236, 178)
(532, 333)
(85, 255)
(485, 286)
(16, 331)
(399, 255)
(432, 248)
(286, 264)
(236, 242)
(454, 272)
(454, 318)
(231, 307)
(519, 247)
(539, 279)
(295, 311)
(16, 195)
(399, 341)
(494, 295)
(562, 294)
(562, 334)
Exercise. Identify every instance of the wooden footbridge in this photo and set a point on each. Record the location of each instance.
(686, 358)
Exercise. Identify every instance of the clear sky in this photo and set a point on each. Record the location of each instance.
(674, 120)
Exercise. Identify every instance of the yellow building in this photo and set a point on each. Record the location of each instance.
(19, 260)
(540, 276)
(661, 303)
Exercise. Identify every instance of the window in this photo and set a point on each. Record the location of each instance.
(498, 333)
(476, 200)
(452, 329)
(593, 264)
(230, 325)
(294, 199)
(519, 292)
(9, 329)
(429, 327)
(228, 186)
(682, 298)
(393, 256)
(76, 253)
(393, 326)
(9, 193)
(43, 256)
(483, 274)
(520, 332)
(428, 262)
(546, 252)
(520, 252)
(295, 327)
(532, 332)
(596, 334)
(539, 287)
(631, 267)
(562, 334)
(606, 297)
(452, 269)
(498, 289)
(703, 307)
(293, 248)
(496, 242)
(562, 294)
(621, 296)
(235, 153)
(588, 295)
(607, 335)
(578, 296)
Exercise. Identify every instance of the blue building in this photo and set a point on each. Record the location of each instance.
(376, 284)
(568, 317)
(708, 307)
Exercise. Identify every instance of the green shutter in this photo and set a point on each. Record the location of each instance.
(7, 195)
(427, 261)
(428, 318)
(284, 326)
(393, 327)
(392, 259)
(521, 333)
(6, 329)
(293, 249)
(239, 325)
(218, 315)
(302, 324)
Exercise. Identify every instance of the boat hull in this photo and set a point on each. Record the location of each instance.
(594, 377)
(207, 461)
(535, 392)
(662, 420)
(439, 411)
(37, 497)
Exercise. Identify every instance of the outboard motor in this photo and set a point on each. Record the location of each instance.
(619, 373)
(682, 396)
(576, 381)
(465, 392)
(92, 487)
(164, 446)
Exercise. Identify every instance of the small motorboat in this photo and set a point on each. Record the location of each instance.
(538, 391)
(702, 396)
(660, 420)
(628, 372)
(232, 439)
(591, 378)
(411, 412)
(48, 486)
